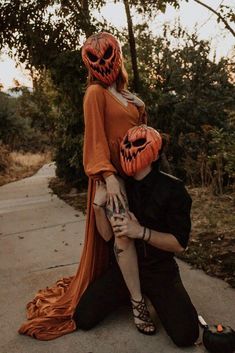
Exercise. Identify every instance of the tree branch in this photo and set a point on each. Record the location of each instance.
(218, 15)
(132, 46)
(87, 18)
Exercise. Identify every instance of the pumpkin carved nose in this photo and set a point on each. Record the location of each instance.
(102, 62)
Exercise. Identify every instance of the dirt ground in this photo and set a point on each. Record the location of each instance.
(212, 244)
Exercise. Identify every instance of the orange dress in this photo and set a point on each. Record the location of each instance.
(107, 120)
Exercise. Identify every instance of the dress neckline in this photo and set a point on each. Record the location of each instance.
(118, 100)
(130, 109)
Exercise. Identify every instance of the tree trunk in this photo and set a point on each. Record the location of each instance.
(88, 28)
(136, 82)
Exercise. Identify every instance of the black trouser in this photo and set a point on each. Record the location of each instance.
(164, 289)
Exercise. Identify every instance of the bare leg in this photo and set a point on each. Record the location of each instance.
(126, 257)
(125, 252)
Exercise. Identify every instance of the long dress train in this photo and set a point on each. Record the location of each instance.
(50, 313)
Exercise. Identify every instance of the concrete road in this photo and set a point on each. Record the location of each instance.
(41, 240)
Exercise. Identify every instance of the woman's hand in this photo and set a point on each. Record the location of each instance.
(100, 193)
(130, 97)
(114, 193)
(127, 226)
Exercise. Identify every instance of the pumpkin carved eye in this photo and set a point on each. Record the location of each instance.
(108, 53)
(139, 142)
(92, 57)
(127, 143)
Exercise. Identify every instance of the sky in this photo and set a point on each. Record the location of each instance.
(190, 14)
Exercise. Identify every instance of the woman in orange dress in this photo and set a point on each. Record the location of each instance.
(109, 111)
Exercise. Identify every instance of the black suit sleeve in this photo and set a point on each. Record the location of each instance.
(178, 214)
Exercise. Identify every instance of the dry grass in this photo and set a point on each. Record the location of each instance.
(212, 244)
(22, 164)
(29, 160)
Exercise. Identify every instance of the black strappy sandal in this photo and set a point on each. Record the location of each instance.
(147, 327)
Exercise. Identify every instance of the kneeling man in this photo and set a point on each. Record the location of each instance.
(159, 224)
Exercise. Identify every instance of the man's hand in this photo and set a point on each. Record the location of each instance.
(126, 225)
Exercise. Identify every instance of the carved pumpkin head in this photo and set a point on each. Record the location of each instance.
(102, 56)
(139, 148)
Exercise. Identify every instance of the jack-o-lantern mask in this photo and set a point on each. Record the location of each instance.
(139, 148)
(102, 56)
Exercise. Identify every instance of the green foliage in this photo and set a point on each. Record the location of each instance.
(184, 90)
(40, 30)
(27, 120)
(69, 75)
(208, 157)
(13, 129)
(36, 106)
(150, 7)
(221, 159)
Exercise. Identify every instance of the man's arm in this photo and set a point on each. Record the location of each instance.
(131, 228)
(177, 220)
(163, 241)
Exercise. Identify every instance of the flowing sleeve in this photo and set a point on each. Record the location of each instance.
(96, 153)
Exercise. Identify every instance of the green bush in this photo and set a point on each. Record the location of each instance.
(69, 76)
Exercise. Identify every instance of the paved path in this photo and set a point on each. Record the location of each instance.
(41, 240)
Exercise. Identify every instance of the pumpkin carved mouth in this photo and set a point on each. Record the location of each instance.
(127, 155)
(103, 72)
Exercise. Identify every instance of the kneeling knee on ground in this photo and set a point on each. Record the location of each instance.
(84, 321)
(185, 338)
